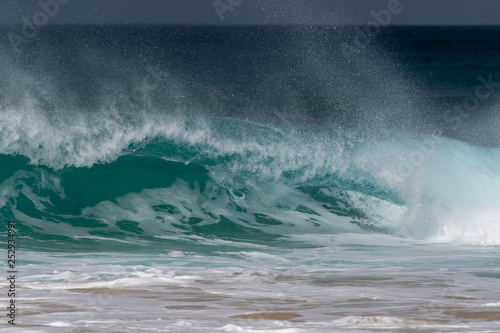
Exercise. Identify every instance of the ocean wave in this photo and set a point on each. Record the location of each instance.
(149, 174)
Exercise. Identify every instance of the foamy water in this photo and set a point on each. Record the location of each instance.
(350, 286)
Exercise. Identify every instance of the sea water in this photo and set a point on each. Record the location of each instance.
(251, 179)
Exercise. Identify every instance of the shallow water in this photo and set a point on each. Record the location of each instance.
(382, 285)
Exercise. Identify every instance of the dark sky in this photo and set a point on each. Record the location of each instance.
(423, 12)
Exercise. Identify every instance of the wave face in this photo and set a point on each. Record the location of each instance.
(91, 179)
(205, 138)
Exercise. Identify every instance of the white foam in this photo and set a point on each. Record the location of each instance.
(231, 328)
(59, 324)
(495, 304)
(81, 139)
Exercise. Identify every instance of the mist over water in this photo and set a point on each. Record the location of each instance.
(408, 79)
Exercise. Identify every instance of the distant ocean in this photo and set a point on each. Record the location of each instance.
(251, 179)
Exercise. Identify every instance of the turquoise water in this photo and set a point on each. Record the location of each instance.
(140, 177)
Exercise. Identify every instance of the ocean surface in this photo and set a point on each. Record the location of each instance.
(279, 179)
